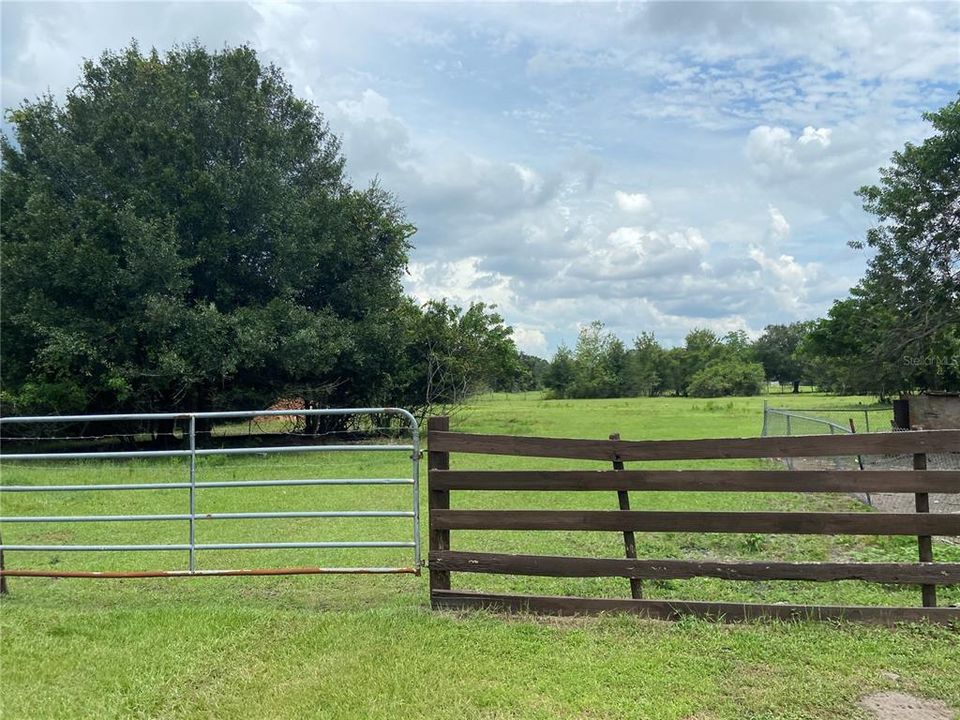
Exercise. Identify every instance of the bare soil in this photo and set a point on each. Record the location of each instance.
(900, 706)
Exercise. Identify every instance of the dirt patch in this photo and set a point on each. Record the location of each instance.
(892, 502)
(907, 503)
(900, 706)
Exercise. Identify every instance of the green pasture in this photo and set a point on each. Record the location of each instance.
(369, 647)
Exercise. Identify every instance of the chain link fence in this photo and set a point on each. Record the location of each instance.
(782, 422)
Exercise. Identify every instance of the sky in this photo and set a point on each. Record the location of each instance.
(655, 166)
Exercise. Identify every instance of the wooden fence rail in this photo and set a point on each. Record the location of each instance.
(926, 573)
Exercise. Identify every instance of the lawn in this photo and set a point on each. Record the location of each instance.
(368, 646)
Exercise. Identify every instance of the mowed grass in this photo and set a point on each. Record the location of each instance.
(368, 646)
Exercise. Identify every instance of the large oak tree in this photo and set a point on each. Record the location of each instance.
(179, 233)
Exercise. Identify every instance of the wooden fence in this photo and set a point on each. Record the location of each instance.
(926, 573)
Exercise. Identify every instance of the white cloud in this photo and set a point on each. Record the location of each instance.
(633, 202)
(815, 135)
(775, 154)
(371, 105)
(532, 182)
(785, 280)
(635, 253)
(460, 281)
(514, 138)
(530, 340)
(779, 229)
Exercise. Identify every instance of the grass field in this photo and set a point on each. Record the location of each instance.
(369, 647)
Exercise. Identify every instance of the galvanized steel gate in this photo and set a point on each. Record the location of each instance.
(191, 485)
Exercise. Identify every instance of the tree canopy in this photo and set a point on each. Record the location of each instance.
(180, 233)
(778, 350)
(706, 366)
(900, 329)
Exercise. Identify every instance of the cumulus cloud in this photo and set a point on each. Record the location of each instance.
(635, 253)
(815, 135)
(633, 202)
(775, 154)
(375, 140)
(530, 340)
(786, 280)
(527, 146)
(461, 281)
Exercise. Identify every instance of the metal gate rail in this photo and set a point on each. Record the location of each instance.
(192, 517)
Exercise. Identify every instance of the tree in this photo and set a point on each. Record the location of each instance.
(777, 350)
(727, 376)
(645, 366)
(599, 363)
(736, 344)
(179, 234)
(837, 351)
(561, 376)
(534, 372)
(701, 347)
(912, 283)
(453, 354)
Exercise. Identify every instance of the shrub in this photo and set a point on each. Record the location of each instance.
(727, 377)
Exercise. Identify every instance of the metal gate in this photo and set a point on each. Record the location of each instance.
(190, 485)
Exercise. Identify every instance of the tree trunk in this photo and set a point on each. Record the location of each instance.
(796, 387)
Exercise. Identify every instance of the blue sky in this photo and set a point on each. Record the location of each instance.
(656, 166)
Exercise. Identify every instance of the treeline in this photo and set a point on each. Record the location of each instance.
(837, 354)
(602, 366)
(898, 331)
(706, 365)
(181, 235)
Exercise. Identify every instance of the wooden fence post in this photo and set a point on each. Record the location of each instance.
(3, 578)
(437, 500)
(925, 542)
(853, 431)
(629, 539)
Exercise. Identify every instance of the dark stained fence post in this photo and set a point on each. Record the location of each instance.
(437, 500)
(853, 431)
(629, 539)
(3, 578)
(925, 542)
(901, 414)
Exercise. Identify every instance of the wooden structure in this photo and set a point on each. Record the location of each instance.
(444, 560)
(930, 411)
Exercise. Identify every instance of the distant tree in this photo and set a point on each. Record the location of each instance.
(727, 376)
(599, 362)
(602, 367)
(646, 372)
(561, 376)
(673, 370)
(616, 361)
(533, 372)
(701, 347)
(737, 344)
(179, 234)
(777, 350)
(453, 353)
(836, 351)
